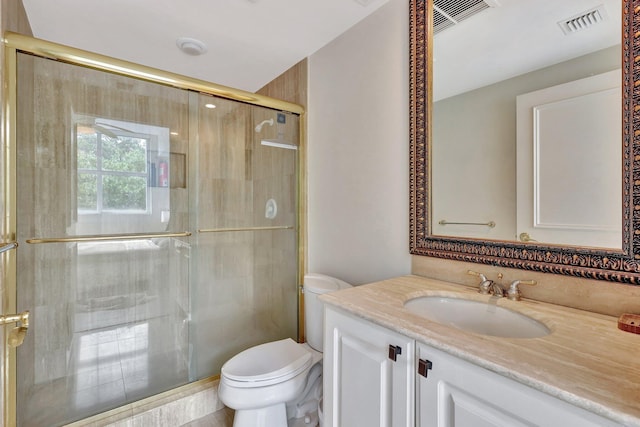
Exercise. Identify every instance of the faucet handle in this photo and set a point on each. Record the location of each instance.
(480, 275)
(485, 284)
(514, 293)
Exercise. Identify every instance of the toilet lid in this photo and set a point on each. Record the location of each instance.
(267, 362)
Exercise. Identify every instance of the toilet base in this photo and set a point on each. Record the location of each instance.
(271, 416)
(309, 420)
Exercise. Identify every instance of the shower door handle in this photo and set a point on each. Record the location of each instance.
(17, 334)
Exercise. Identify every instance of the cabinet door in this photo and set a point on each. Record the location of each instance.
(363, 386)
(460, 394)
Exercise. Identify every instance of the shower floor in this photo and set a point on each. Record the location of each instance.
(110, 367)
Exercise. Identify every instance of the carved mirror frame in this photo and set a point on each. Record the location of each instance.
(594, 263)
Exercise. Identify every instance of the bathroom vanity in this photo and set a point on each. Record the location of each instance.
(387, 365)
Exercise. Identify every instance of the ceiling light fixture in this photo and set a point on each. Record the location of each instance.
(210, 105)
(191, 46)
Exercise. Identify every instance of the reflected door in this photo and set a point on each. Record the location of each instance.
(569, 154)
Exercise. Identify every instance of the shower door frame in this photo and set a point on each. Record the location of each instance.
(16, 43)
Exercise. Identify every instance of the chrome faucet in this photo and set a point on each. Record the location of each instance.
(514, 293)
(495, 289)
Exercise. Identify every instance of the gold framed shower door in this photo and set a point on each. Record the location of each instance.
(15, 43)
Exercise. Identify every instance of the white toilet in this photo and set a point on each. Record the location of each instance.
(280, 380)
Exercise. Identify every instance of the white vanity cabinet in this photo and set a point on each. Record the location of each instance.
(363, 385)
(461, 394)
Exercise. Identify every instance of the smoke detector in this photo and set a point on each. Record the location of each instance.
(191, 46)
(583, 20)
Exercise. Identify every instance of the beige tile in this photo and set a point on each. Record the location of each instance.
(608, 298)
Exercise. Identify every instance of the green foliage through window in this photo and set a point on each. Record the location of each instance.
(112, 172)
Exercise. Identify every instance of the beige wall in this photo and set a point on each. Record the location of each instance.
(358, 156)
(358, 172)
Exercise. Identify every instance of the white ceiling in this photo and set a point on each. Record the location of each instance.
(250, 42)
(514, 38)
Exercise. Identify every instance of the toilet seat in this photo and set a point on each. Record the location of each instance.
(266, 364)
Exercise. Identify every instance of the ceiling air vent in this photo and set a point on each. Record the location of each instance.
(583, 20)
(447, 13)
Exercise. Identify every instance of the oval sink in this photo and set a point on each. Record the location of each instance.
(479, 317)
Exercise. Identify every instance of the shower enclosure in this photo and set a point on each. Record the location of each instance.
(157, 228)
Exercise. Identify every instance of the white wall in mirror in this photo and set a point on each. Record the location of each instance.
(473, 150)
(514, 37)
(473, 164)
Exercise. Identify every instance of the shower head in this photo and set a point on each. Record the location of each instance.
(262, 123)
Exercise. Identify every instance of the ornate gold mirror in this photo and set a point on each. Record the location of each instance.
(562, 110)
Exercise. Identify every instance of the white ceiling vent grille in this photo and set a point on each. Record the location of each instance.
(583, 20)
(447, 13)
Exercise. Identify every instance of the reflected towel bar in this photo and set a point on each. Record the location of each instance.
(223, 230)
(106, 237)
(8, 246)
(488, 224)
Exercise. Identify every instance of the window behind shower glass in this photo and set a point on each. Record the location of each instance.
(122, 173)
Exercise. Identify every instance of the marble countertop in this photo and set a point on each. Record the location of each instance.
(585, 360)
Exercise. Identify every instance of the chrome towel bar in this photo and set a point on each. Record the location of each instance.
(488, 224)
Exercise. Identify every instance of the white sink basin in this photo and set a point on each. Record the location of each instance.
(479, 317)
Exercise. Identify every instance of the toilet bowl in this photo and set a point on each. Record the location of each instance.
(271, 383)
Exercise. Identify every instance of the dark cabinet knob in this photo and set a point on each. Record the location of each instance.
(424, 366)
(394, 351)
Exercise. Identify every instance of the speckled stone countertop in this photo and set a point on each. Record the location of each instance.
(585, 360)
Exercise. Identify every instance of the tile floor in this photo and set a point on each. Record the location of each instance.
(221, 418)
(110, 367)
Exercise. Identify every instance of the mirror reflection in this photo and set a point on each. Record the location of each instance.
(527, 121)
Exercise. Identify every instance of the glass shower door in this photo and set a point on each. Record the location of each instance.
(245, 272)
(102, 208)
(158, 234)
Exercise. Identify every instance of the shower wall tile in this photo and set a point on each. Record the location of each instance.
(290, 86)
(225, 203)
(181, 411)
(275, 177)
(180, 407)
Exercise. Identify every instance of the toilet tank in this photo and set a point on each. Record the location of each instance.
(315, 285)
